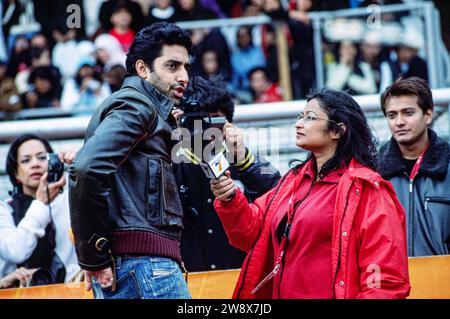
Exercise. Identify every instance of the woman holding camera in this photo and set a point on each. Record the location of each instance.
(332, 227)
(34, 223)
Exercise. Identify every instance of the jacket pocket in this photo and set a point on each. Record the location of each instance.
(154, 192)
(172, 213)
(437, 199)
(437, 212)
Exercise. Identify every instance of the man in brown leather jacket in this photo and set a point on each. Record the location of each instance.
(125, 211)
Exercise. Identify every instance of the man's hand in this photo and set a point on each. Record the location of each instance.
(234, 137)
(223, 187)
(104, 277)
(68, 156)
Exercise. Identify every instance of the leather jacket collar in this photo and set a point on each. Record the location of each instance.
(162, 103)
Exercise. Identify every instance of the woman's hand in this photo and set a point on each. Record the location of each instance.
(53, 189)
(223, 187)
(20, 276)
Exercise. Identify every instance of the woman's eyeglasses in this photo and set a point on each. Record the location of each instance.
(310, 117)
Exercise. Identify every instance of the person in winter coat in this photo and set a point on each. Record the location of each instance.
(332, 227)
(417, 162)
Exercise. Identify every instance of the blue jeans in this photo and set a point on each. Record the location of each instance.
(145, 277)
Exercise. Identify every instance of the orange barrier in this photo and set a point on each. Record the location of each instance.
(202, 285)
(429, 276)
(60, 291)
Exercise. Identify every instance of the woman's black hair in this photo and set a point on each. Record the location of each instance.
(211, 94)
(148, 43)
(11, 159)
(357, 141)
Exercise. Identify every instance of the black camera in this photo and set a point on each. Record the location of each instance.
(55, 168)
(193, 112)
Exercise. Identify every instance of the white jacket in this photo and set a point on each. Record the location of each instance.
(18, 242)
(340, 75)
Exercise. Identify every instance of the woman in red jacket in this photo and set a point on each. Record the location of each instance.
(332, 227)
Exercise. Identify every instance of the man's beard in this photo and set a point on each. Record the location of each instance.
(159, 84)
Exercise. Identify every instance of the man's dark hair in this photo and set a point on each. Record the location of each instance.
(11, 158)
(148, 43)
(211, 94)
(357, 141)
(410, 86)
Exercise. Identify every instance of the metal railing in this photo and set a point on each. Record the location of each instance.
(75, 127)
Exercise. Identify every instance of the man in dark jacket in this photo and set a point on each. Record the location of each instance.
(125, 210)
(204, 244)
(417, 162)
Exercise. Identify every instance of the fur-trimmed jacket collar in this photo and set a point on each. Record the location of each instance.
(434, 165)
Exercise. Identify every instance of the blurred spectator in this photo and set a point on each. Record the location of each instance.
(91, 12)
(109, 51)
(87, 90)
(209, 65)
(34, 223)
(350, 72)
(407, 63)
(231, 8)
(244, 58)
(39, 57)
(18, 278)
(107, 9)
(9, 99)
(302, 50)
(11, 11)
(53, 17)
(190, 10)
(115, 76)
(328, 49)
(161, 11)
(269, 47)
(213, 6)
(39, 40)
(121, 20)
(211, 40)
(263, 90)
(73, 49)
(371, 54)
(20, 56)
(253, 8)
(46, 90)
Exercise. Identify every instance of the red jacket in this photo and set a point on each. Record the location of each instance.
(369, 256)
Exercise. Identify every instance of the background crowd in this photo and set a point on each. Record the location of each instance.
(47, 64)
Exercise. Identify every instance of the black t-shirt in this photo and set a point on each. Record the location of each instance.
(409, 164)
